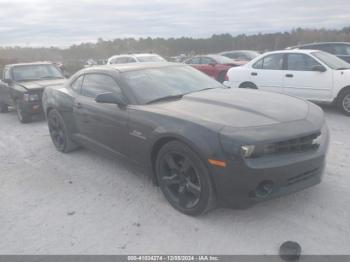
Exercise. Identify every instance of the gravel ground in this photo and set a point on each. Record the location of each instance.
(84, 203)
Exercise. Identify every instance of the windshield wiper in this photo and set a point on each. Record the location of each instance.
(343, 68)
(164, 98)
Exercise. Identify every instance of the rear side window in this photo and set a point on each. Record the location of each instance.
(194, 61)
(270, 62)
(207, 61)
(301, 62)
(95, 84)
(76, 85)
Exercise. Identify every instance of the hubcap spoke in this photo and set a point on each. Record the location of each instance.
(171, 162)
(194, 189)
(171, 180)
(185, 166)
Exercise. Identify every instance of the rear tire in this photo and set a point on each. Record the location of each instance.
(58, 132)
(3, 108)
(343, 102)
(184, 179)
(22, 116)
(248, 85)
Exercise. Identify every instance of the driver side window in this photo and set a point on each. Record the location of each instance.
(95, 84)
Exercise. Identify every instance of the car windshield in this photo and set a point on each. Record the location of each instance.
(35, 72)
(156, 83)
(150, 58)
(332, 61)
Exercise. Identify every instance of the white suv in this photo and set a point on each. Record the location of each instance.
(310, 74)
(135, 58)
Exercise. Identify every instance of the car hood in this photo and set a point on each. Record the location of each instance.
(41, 84)
(236, 107)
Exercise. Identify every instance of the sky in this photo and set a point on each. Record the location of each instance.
(66, 22)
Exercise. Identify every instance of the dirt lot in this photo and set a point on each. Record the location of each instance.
(83, 203)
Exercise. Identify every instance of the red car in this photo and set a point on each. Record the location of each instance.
(215, 66)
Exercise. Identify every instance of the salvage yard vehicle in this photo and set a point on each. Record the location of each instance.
(314, 75)
(204, 143)
(22, 87)
(215, 66)
(241, 56)
(339, 49)
(135, 58)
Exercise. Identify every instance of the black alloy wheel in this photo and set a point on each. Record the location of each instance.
(344, 102)
(58, 132)
(184, 179)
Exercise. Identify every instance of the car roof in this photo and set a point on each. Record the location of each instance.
(133, 66)
(32, 63)
(319, 43)
(238, 51)
(301, 51)
(132, 55)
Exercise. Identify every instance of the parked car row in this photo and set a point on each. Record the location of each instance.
(204, 143)
(310, 74)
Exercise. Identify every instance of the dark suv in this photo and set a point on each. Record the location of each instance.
(340, 49)
(22, 86)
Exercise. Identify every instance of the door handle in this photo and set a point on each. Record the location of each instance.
(78, 105)
(289, 75)
(254, 74)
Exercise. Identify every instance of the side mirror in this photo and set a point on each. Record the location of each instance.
(319, 68)
(110, 98)
(212, 64)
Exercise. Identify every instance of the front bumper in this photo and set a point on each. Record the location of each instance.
(241, 183)
(34, 107)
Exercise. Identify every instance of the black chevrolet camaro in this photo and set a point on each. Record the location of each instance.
(204, 144)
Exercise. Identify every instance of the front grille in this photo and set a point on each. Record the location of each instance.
(296, 145)
(302, 177)
(300, 144)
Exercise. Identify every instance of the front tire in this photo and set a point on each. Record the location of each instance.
(248, 85)
(344, 102)
(3, 108)
(59, 133)
(184, 179)
(22, 116)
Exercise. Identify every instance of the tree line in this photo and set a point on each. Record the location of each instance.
(76, 55)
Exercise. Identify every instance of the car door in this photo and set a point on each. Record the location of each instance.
(103, 124)
(300, 78)
(208, 66)
(267, 73)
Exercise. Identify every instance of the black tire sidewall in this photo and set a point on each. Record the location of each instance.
(55, 113)
(3, 107)
(341, 99)
(207, 192)
(21, 115)
(248, 85)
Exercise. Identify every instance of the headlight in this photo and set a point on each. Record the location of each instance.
(30, 97)
(317, 141)
(247, 150)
